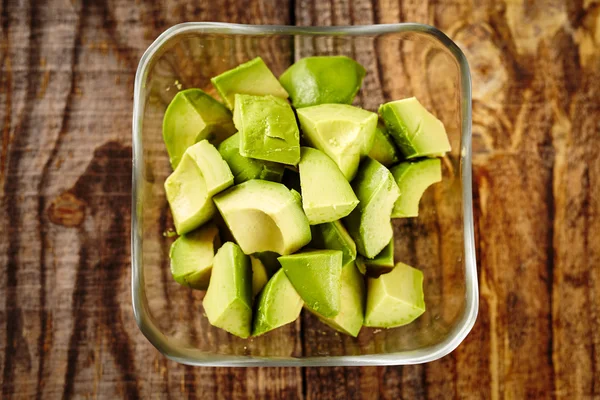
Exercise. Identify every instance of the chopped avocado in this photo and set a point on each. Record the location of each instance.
(323, 80)
(201, 174)
(192, 116)
(383, 149)
(316, 276)
(192, 257)
(252, 77)
(381, 264)
(245, 168)
(269, 260)
(369, 224)
(297, 196)
(350, 318)
(259, 275)
(413, 178)
(345, 133)
(268, 129)
(278, 304)
(228, 300)
(395, 298)
(326, 194)
(333, 236)
(264, 216)
(415, 130)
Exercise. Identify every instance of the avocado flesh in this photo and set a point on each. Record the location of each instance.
(345, 133)
(192, 116)
(278, 304)
(323, 80)
(192, 257)
(369, 224)
(201, 174)
(268, 129)
(326, 194)
(228, 300)
(383, 149)
(380, 264)
(396, 298)
(316, 276)
(264, 216)
(260, 276)
(416, 131)
(334, 236)
(252, 77)
(413, 178)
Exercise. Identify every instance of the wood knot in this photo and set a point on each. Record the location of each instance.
(67, 210)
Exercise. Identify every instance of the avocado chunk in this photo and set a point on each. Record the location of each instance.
(369, 224)
(323, 80)
(343, 132)
(334, 236)
(192, 116)
(201, 174)
(383, 149)
(192, 257)
(350, 318)
(326, 194)
(396, 298)
(245, 168)
(413, 178)
(264, 216)
(269, 260)
(228, 300)
(316, 276)
(268, 129)
(381, 264)
(259, 275)
(415, 130)
(252, 77)
(278, 304)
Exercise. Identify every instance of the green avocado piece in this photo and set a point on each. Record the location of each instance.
(192, 116)
(396, 298)
(345, 133)
(259, 275)
(278, 304)
(269, 260)
(252, 77)
(192, 257)
(268, 129)
(350, 318)
(381, 264)
(415, 130)
(316, 276)
(334, 236)
(245, 168)
(326, 194)
(383, 149)
(369, 224)
(413, 178)
(228, 300)
(201, 174)
(323, 80)
(264, 216)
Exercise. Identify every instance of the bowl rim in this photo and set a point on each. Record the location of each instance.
(186, 355)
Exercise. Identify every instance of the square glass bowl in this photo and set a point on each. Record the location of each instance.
(401, 60)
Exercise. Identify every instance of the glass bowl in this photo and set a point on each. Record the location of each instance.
(402, 60)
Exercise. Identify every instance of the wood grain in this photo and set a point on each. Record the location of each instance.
(66, 83)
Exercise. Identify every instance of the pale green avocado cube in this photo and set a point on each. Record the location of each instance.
(278, 304)
(413, 178)
(245, 168)
(228, 300)
(268, 129)
(334, 236)
(396, 298)
(192, 116)
(264, 216)
(323, 80)
(260, 277)
(316, 276)
(192, 257)
(383, 149)
(326, 194)
(369, 224)
(415, 130)
(201, 174)
(252, 77)
(343, 132)
(381, 264)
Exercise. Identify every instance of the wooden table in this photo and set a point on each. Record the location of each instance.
(66, 88)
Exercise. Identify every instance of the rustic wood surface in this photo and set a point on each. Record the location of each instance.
(66, 88)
